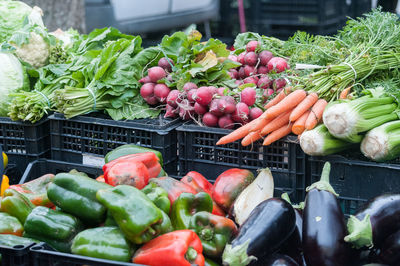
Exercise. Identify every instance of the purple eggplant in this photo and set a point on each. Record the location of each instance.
(324, 226)
(378, 219)
(279, 260)
(269, 225)
(390, 251)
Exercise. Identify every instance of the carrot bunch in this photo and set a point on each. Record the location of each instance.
(290, 111)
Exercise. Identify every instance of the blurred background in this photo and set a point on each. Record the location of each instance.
(222, 19)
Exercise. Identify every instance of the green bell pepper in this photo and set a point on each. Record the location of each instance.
(76, 195)
(13, 240)
(137, 216)
(209, 262)
(214, 231)
(55, 228)
(187, 205)
(104, 243)
(10, 225)
(158, 196)
(110, 220)
(16, 204)
(130, 149)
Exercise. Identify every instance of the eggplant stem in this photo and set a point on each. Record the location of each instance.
(323, 183)
(237, 256)
(360, 232)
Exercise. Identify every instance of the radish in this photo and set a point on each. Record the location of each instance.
(151, 100)
(265, 56)
(227, 104)
(169, 77)
(255, 113)
(210, 120)
(191, 94)
(214, 108)
(186, 110)
(156, 73)
(145, 79)
(226, 122)
(241, 114)
(262, 70)
(200, 109)
(213, 89)
(250, 59)
(173, 98)
(242, 73)
(161, 91)
(249, 71)
(240, 58)
(165, 63)
(233, 58)
(189, 86)
(250, 80)
(264, 82)
(268, 92)
(147, 90)
(248, 96)
(278, 64)
(252, 46)
(221, 91)
(239, 82)
(278, 84)
(170, 111)
(233, 73)
(203, 95)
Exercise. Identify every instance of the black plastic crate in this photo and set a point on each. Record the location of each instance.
(198, 152)
(23, 143)
(357, 8)
(357, 181)
(15, 256)
(86, 139)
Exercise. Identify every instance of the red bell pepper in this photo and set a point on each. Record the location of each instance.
(127, 173)
(173, 187)
(101, 178)
(178, 248)
(228, 186)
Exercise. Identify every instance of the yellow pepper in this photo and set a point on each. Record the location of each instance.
(4, 184)
(5, 160)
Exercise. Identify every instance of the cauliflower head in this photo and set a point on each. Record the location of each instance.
(36, 52)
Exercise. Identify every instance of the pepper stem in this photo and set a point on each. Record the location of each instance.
(324, 184)
(237, 256)
(191, 254)
(206, 234)
(360, 232)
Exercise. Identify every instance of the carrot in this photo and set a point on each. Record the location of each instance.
(299, 125)
(238, 133)
(260, 125)
(286, 104)
(344, 93)
(278, 97)
(277, 134)
(316, 114)
(281, 120)
(303, 106)
(253, 136)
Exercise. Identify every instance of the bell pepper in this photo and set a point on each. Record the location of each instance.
(178, 248)
(128, 173)
(214, 232)
(13, 240)
(128, 149)
(186, 206)
(209, 262)
(158, 196)
(104, 243)
(100, 178)
(137, 216)
(110, 220)
(56, 228)
(149, 159)
(5, 184)
(5, 160)
(173, 187)
(228, 186)
(16, 204)
(76, 195)
(36, 190)
(10, 225)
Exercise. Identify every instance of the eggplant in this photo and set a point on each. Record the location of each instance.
(279, 260)
(390, 252)
(324, 225)
(269, 225)
(375, 221)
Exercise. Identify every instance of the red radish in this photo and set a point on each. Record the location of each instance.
(147, 90)
(169, 78)
(255, 113)
(186, 110)
(173, 98)
(156, 73)
(221, 91)
(265, 56)
(241, 114)
(264, 82)
(210, 120)
(249, 71)
(227, 104)
(191, 94)
(200, 109)
(203, 95)
(239, 82)
(233, 73)
(278, 64)
(214, 108)
(151, 100)
(252, 46)
(248, 96)
(262, 70)
(213, 89)
(240, 58)
(189, 86)
(226, 122)
(145, 79)
(242, 73)
(163, 62)
(170, 111)
(278, 84)
(233, 58)
(250, 80)
(250, 59)
(268, 92)
(161, 92)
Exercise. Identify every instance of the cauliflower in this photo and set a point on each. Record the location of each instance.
(36, 52)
